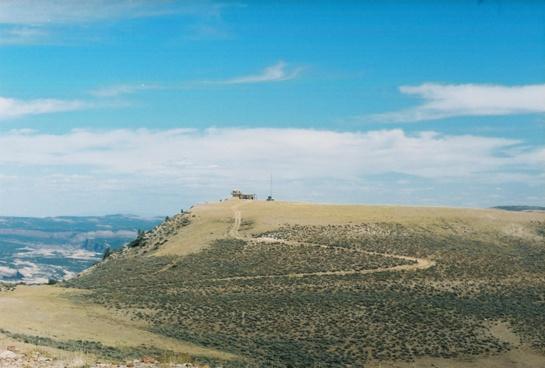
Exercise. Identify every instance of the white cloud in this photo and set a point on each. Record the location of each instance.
(123, 89)
(13, 108)
(209, 31)
(450, 100)
(274, 73)
(49, 21)
(23, 35)
(47, 12)
(297, 153)
(147, 171)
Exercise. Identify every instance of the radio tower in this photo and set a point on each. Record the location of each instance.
(270, 197)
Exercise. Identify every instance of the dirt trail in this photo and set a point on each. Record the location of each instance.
(233, 232)
(419, 263)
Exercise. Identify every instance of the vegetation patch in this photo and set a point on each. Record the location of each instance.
(338, 320)
(109, 353)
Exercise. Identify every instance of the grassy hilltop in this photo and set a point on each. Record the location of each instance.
(251, 283)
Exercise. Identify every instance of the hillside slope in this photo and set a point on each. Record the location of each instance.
(289, 284)
(251, 283)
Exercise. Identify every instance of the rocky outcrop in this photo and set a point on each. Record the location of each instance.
(159, 235)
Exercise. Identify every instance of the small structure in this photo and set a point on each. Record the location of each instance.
(238, 194)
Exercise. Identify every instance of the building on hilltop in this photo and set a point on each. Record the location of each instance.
(238, 194)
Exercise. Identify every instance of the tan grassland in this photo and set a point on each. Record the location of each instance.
(51, 311)
(62, 314)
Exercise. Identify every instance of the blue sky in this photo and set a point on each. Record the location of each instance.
(150, 106)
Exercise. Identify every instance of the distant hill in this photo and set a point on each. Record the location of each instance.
(520, 208)
(34, 250)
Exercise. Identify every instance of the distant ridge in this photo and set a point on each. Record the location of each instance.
(520, 208)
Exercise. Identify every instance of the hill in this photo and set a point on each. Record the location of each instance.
(251, 283)
(521, 208)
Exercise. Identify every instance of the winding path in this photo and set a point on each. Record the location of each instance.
(419, 263)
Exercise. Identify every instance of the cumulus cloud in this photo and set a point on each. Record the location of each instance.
(450, 100)
(297, 153)
(14, 108)
(146, 171)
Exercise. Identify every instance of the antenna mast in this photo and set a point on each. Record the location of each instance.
(270, 198)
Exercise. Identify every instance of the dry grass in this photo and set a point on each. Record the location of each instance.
(68, 357)
(270, 215)
(425, 315)
(54, 312)
(212, 221)
(172, 290)
(208, 223)
(516, 358)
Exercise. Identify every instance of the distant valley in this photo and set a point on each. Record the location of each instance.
(36, 250)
